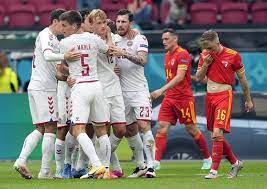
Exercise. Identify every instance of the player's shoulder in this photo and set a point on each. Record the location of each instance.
(231, 51)
(180, 50)
(140, 37)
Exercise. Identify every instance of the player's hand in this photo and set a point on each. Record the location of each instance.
(117, 70)
(248, 106)
(116, 51)
(72, 56)
(132, 33)
(207, 59)
(71, 81)
(155, 94)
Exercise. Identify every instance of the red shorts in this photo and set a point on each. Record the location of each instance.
(172, 109)
(218, 110)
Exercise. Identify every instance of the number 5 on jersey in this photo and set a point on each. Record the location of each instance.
(85, 66)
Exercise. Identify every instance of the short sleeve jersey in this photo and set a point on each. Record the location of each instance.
(224, 65)
(132, 76)
(89, 45)
(105, 70)
(179, 59)
(44, 72)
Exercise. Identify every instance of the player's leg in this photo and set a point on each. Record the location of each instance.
(89, 150)
(161, 141)
(217, 152)
(29, 145)
(166, 118)
(118, 122)
(136, 145)
(186, 113)
(143, 112)
(60, 150)
(48, 144)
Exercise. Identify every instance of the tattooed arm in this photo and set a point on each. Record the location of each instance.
(139, 59)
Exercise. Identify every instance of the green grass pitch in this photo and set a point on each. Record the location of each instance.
(173, 175)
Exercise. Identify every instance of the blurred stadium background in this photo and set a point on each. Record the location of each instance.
(242, 25)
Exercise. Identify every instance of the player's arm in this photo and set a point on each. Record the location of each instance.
(202, 70)
(62, 71)
(180, 75)
(244, 84)
(139, 59)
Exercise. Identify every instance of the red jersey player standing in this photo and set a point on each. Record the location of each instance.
(220, 64)
(178, 102)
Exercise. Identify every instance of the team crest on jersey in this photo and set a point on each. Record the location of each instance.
(129, 43)
(225, 63)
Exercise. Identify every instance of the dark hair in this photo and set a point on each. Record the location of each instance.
(55, 14)
(84, 13)
(72, 17)
(169, 30)
(125, 12)
(112, 26)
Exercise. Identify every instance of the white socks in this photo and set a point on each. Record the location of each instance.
(59, 154)
(114, 161)
(29, 145)
(70, 143)
(149, 143)
(105, 150)
(114, 141)
(88, 149)
(136, 144)
(48, 147)
(82, 160)
(75, 154)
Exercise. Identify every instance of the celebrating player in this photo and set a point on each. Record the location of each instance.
(132, 56)
(42, 96)
(219, 64)
(86, 95)
(178, 102)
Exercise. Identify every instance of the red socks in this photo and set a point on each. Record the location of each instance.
(227, 151)
(217, 152)
(161, 143)
(202, 144)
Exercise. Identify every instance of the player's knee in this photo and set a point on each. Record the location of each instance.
(131, 130)
(62, 132)
(100, 130)
(144, 126)
(119, 132)
(50, 128)
(192, 129)
(217, 137)
(163, 127)
(41, 129)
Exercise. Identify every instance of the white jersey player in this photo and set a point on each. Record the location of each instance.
(42, 97)
(132, 56)
(87, 94)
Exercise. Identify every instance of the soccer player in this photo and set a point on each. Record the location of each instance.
(86, 95)
(42, 96)
(132, 56)
(220, 64)
(178, 102)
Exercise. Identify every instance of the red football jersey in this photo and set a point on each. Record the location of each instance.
(180, 59)
(224, 65)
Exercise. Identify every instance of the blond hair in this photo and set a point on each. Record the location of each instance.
(210, 35)
(97, 13)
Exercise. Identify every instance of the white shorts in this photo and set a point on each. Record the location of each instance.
(87, 99)
(43, 106)
(137, 106)
(116, 109)
(64, 104)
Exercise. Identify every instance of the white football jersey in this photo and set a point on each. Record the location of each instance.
(105, 70)
(89, 45)
(44, 72)
(132, 76)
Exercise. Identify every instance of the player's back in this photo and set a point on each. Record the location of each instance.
(43, 72)
(132, 75)
(89, 45)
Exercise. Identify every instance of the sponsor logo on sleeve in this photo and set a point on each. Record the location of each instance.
(144, 46)
(184, 61)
